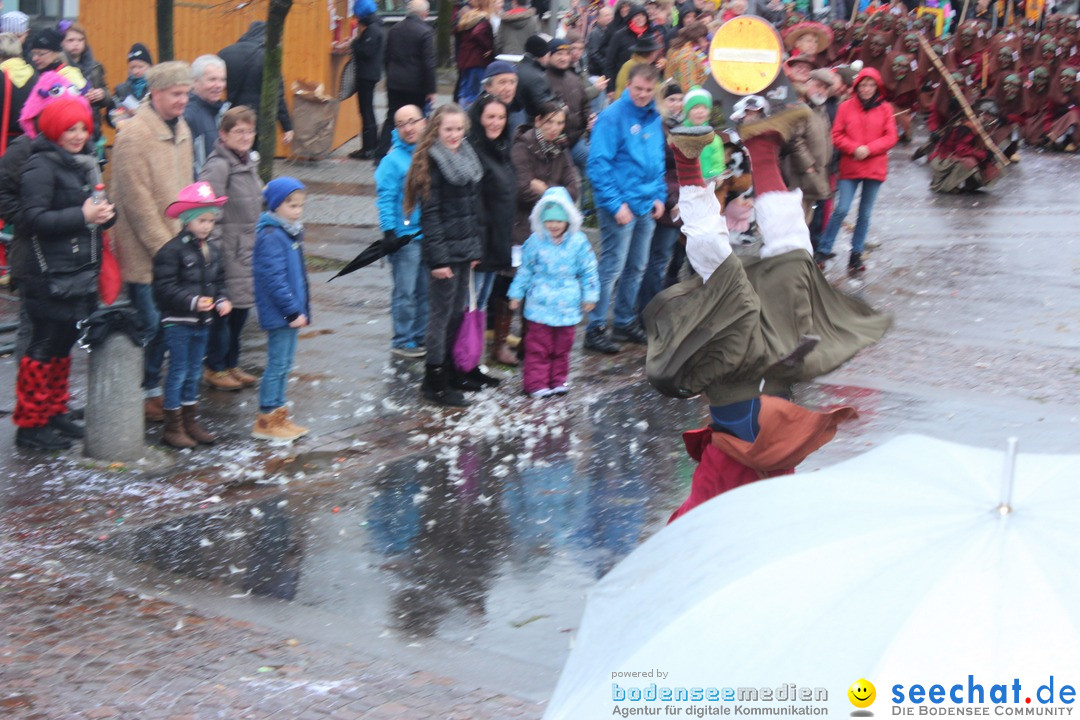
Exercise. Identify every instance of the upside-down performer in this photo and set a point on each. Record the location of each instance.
(745, 330)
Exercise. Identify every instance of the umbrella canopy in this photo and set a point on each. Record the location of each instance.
(378, 249)
(896, 566)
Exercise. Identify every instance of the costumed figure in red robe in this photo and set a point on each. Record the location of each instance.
(962, 162)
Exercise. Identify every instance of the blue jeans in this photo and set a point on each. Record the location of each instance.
(223, 348)
(469, 85)
(142, 298)
(280, 352)
(845, 195)
(408, 301)
(655, 278)
(580, 154)
(624, 252)
(484, 283)
(187, 346)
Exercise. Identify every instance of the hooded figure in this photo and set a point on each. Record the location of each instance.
(243, 72)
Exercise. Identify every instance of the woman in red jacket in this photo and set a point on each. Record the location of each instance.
(863, 133)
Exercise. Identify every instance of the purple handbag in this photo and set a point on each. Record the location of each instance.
(469, 343)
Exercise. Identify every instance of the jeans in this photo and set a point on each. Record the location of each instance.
(484, 283)
(223, 347)
(280, 352)
(845, 195)
(655, 278)
(142, 298)
(408, 300)
(624, 252)
(469, 85)
(580, 154)
(187, 346)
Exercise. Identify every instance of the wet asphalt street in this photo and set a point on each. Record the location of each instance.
(462, 544)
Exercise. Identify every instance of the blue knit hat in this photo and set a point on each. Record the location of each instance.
(363, 8)
(554, 211)
(499, 67)
(280, 188)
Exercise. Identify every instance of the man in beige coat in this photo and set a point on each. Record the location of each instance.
(152, 161)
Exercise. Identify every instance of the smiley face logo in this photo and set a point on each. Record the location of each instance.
(862, 693)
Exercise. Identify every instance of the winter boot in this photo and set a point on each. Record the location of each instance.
(434, 388)
(283, 421)
(479, 375)
(33, 406)
(154, 409)
(461, 381)
(268, 427)
(221, 380)
(244, 378)
(500, 350)
(192, 427)
(597, 340)
(175, 435)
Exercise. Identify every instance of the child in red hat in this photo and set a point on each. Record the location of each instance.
(189, 289)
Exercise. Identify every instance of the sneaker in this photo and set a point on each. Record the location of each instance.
(821, 258)
(409, 352)
(560, 390)
(855, 265)
(630, 333)
(540, 394)
(597, 340)
(221, 380)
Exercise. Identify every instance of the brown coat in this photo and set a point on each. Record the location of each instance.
(151, 165)
(810, 147)
(530, 163)
(234, 234)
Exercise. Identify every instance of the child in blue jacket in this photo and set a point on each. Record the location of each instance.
(281, 297)
(558, 280)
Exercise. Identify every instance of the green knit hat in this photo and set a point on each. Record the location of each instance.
(554, 211)
(697, 96)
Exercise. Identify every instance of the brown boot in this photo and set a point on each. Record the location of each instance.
(500, 351)
(282, 415)
(244, 378)
(221, 380)
(154, 409)
(175, 435)
(192, 427)
(268, 427)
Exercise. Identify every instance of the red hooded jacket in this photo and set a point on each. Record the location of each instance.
(855, 126)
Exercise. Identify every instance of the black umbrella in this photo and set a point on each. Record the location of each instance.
(382, 247)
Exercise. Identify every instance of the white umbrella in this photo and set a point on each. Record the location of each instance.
(898, 566)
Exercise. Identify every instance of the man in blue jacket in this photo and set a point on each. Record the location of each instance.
(408, 302)
(626, 169)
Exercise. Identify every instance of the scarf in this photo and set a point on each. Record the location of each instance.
(293, 229)
(547, 147)
(872, 103)
(459, 168)
(89, 165)
(138, 87)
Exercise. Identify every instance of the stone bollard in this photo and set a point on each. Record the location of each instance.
(115, 425)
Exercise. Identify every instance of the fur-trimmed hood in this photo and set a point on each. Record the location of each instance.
(559, 196)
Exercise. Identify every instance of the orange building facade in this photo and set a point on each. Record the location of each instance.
(206, 26)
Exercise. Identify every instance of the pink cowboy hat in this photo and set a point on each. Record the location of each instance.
(195, 197)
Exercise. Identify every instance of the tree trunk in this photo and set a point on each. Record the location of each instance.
(271, 86)
(442, 33)
(165, 30)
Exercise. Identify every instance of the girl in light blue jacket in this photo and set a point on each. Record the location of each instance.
(558, 280)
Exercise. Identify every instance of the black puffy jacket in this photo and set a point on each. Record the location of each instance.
(55, 184)
(450, 217)
(182, 274)
(533, 87)
(498, 193)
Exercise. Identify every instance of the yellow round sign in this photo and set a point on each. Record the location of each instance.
(745, 55)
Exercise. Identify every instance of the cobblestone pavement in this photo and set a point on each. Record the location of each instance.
(72, 647)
